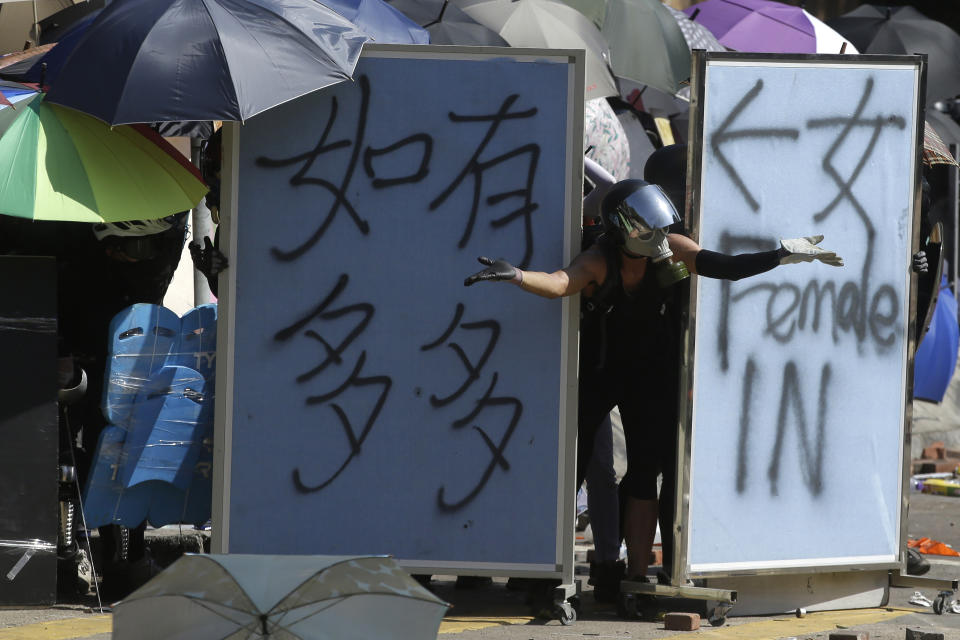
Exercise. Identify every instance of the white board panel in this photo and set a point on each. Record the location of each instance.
(377, 406)
(800, 373)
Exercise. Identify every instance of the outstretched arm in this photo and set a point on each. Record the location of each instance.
(718, 265)
(588, 267)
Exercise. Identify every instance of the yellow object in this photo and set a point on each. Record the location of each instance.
(942, 486)
(665, 131)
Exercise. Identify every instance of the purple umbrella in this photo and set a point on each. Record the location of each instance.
(756, 25)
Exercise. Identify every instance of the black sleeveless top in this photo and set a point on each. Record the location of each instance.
(628, 333)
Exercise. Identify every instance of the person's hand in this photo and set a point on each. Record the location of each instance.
(920, 262)
(208, 260)
(498, 269)
(806, 250)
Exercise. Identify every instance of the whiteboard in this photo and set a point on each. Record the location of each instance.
(376, 405)
(800, 375)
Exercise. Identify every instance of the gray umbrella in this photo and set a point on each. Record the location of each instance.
(548, 24)
(646, 44)
(447, 24)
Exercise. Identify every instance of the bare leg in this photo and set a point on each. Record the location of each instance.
(639, 530)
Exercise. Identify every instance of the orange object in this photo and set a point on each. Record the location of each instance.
(931, 547)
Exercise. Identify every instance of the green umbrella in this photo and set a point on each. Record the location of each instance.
(60, 164)
(646, 43)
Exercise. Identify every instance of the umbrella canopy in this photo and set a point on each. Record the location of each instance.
(696, 35)
(548, 24)
(448, 24)
(828, 40)
(8, 60)
(604, 139)
(161, 60)
(59, 164)
(756, 25)
(904, 30)
(45, 68)
(939, 129)
(237, 595)
(646, 43)
(382, 22)
(11, 92)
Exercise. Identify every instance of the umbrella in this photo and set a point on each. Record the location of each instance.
(936, 357)
(159, 60)
(899, 30)
(45, 68)
(604, 139)
(696, 35)
(448, 24)
(940, 130)
(646, 43)
(756, 25)
(828, 40)
(548, 24)
(380, 21)
(10, 59)
(11, 92)
(279, 596)
(59, 164)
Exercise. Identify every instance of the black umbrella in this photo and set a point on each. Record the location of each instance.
(448, 24)
(904, 30)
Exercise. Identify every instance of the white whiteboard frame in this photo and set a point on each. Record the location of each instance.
(573, 186)
(686, 432)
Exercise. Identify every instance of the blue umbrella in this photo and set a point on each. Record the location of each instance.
(380, 21)
(179, 60)
(936, 357)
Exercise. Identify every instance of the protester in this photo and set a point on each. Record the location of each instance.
(628, 358)
(101, 270)
(207, 257)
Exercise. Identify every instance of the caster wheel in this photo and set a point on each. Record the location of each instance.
(627, 606)
(939, 604)
(718, 615)
(566, 614)
(575, 603)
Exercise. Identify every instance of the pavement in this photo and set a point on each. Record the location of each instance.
(497, 612)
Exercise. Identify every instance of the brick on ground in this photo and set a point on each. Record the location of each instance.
(681, 622)
(849, 635)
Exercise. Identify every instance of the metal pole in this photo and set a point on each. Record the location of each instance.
(36, 26)
(202, 227)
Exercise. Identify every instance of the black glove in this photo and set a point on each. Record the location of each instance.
(498, 269)
(208, 260)
(920, 262)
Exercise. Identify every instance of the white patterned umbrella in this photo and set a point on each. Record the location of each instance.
(280, 597)
(604, 139)
(696, 35)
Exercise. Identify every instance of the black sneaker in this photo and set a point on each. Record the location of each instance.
(473, 582)
(606, 579)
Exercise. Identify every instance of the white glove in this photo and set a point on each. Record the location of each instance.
(806, 250)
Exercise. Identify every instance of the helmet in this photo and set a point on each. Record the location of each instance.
(636, 214)
(667, 168)
(132, 228)
(134, 240)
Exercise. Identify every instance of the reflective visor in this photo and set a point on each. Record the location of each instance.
(649, 206)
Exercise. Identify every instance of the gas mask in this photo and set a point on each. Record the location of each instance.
(638, 215)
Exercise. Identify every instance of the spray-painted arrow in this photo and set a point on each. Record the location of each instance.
(722, 135)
